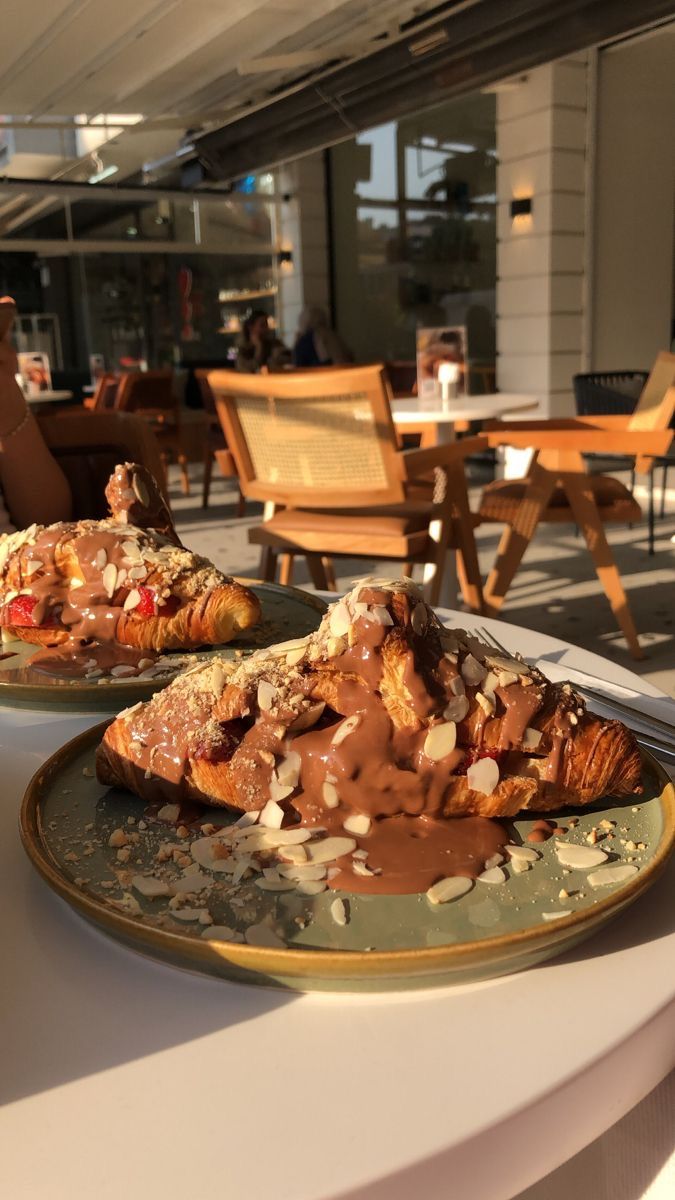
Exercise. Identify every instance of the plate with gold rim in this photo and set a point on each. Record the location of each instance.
(287, 613)
(389, 942)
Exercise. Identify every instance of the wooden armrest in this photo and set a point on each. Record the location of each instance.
(584, 439)
(420, 462)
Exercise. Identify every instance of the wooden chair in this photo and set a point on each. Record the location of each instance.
(558, 488)
(89, 445)
(105, 393)
(215, 446)
(150, 395)
(321, 452)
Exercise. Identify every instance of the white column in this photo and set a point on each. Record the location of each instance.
(541, 146)
(302, 228)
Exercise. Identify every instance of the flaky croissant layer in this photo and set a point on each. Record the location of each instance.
(382, 712)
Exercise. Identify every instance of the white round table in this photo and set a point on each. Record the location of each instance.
(45, 399)
(121, 1074)
(413, 411)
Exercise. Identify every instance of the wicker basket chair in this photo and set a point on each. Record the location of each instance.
(320, 450)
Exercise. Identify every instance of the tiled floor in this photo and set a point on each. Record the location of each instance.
(556, 591)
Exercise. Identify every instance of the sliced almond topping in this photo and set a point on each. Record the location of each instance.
(486, 702)
(110, 579)
(131, 549)
(140, 490)
(524, 853)
(450, 888)
(101, 559)
(275, 885)
(501, 663)
(495, 860)
(329, 794)
(303, 871)
(335, 646)
(473, 672)
(169, 813)
(75, 583)
(483, 776)
(614, 874)
(381, 615)
(520, 865)
(555, 916)
(339, 620)
(294, 656)
(132, 600)
(419, 618)
(330, 848)
(267, 694)
(292, 854)
(457, 685)
(531, 738)
(311, 887)
(262, 935)
(493, 875)
(440, 741)
(150, 886)
(358, 824)
(272, 815)
(345, 728)
(307, 718)
(579, 857)
(506, 678)
(360, 868)
(338, 912)
(32, 565)
(278, 791)
(456, 708)
(288, 770)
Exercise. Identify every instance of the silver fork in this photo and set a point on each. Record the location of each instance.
(654, 742)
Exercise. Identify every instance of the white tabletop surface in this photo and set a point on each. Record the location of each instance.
(49, 397)
(123, 1076)
(464, 408)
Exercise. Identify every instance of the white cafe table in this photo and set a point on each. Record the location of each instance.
(49, 397)
(419, 415)
(122, 1076)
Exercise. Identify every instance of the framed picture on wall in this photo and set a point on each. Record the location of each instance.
(443, 350)
(35, 372)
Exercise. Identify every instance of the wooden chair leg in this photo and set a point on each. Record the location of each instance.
(517, 537)
(317, 572)
(184, 473)
(268, 564)
(164, 456)
(330, 573)
(241, 503)
(286, 569)
(468, 570)
(208, 472)
(588, 518)
(407, 569)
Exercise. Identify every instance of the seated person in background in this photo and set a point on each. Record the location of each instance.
(316, 344)
(32, 483)
(258, 347)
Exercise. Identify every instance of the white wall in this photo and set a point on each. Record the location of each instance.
(541, 146)
(302, 227)
(632, 282)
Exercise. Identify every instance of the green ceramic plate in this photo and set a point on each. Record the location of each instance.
(287, 613)
(389, 943)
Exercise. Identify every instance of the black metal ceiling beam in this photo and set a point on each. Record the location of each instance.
(464, 50)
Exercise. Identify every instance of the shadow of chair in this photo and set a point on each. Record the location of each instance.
(321, 452)
(215, 446)
(559, 489)
(150, 395)
(88, 447)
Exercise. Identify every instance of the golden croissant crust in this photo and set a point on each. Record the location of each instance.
(114, 581)
(381, 712)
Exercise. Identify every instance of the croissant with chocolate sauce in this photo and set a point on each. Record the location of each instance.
(381, 712)
(127, 579)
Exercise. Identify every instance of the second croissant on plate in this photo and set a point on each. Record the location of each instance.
(126, 579)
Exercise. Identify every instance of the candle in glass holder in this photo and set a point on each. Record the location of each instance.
(448, 377)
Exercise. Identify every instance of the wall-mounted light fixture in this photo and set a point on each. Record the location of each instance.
(285, 258)
(521, 206)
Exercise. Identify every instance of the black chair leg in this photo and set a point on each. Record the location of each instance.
(651, 511)
(632, 481)
(664, 484)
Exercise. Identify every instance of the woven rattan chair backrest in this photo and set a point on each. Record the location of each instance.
(312, 439)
